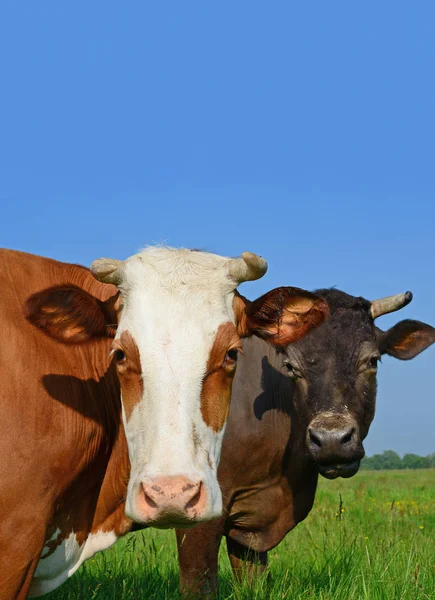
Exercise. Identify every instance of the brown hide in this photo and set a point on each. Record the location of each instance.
(287, 423)
(267, 477)
(265, 472)
(63, 454)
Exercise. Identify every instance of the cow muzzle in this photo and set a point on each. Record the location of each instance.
(177, 501)
(335, 445)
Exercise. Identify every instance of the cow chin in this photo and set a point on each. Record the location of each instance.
(345, 470)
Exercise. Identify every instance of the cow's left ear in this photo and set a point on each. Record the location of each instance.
(282, 316)
(406, 339)
(71, 315)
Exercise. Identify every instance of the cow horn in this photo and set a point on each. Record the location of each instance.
(107, 270)
(247, 268)
(387, 305)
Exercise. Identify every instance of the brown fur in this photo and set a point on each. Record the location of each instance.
(216, 387)
(130, 372)
(280, 316)
(68, 314)
(407, 339)
(63, 453)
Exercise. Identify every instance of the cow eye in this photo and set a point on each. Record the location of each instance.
(373, 362)
(230, 360)
(119, 355)
(292, 371)
(231, 356)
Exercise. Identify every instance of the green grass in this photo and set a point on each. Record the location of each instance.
(376, 543)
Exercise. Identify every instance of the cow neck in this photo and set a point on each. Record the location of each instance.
(97, 422)
(264, 444)
(94, 491)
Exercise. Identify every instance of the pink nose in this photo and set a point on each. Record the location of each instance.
(171, 500)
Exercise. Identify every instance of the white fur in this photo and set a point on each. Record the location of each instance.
(52, 571)
(174, 302)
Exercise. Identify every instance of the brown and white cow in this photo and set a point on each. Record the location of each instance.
(114, 397)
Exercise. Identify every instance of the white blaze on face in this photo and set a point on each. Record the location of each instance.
(174, 304)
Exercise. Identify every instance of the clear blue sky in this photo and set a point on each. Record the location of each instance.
(303, 131)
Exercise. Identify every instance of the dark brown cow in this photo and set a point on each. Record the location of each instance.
(282, 431)
(75, 354)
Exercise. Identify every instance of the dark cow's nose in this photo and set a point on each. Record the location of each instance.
(335, 443)
(320, 438)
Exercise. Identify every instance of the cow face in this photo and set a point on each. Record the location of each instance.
(175, 344)
(335, 371)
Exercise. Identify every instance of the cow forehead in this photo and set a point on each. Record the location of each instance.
(344, 332)
(173, 269)
(174, 302)
(182, 314)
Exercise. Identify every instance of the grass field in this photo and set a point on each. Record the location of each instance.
(377, 543)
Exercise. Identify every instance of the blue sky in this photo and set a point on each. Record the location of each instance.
(303, 131)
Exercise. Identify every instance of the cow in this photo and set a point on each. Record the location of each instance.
(116, 384)
(294, 414)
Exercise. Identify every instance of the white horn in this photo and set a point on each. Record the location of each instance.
(108, 270)
(247, 268)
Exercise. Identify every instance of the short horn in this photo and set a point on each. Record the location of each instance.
(247, 268)
(108, 270)
(387, 305)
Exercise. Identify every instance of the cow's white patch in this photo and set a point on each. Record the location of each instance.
(53, 570)
(174, 302)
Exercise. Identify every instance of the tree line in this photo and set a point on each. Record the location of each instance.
(391, 460)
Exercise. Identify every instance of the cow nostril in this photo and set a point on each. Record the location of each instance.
(315, 439)
(148, 498)
(195, 499)
(348, 436)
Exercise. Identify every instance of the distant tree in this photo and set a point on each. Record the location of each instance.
(413, 461)
(372, 462)
(391, 460)
(366, 463)
(387, 460)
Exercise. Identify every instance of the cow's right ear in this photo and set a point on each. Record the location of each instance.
(71, 315)
(406, 339)
(282, 316)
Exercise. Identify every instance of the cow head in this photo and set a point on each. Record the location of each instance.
(175, 345)
(335, 371)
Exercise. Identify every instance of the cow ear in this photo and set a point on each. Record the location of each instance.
(71, 315)
(282, 316)
(406, 339)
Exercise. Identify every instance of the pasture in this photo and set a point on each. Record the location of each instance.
(371, 537)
